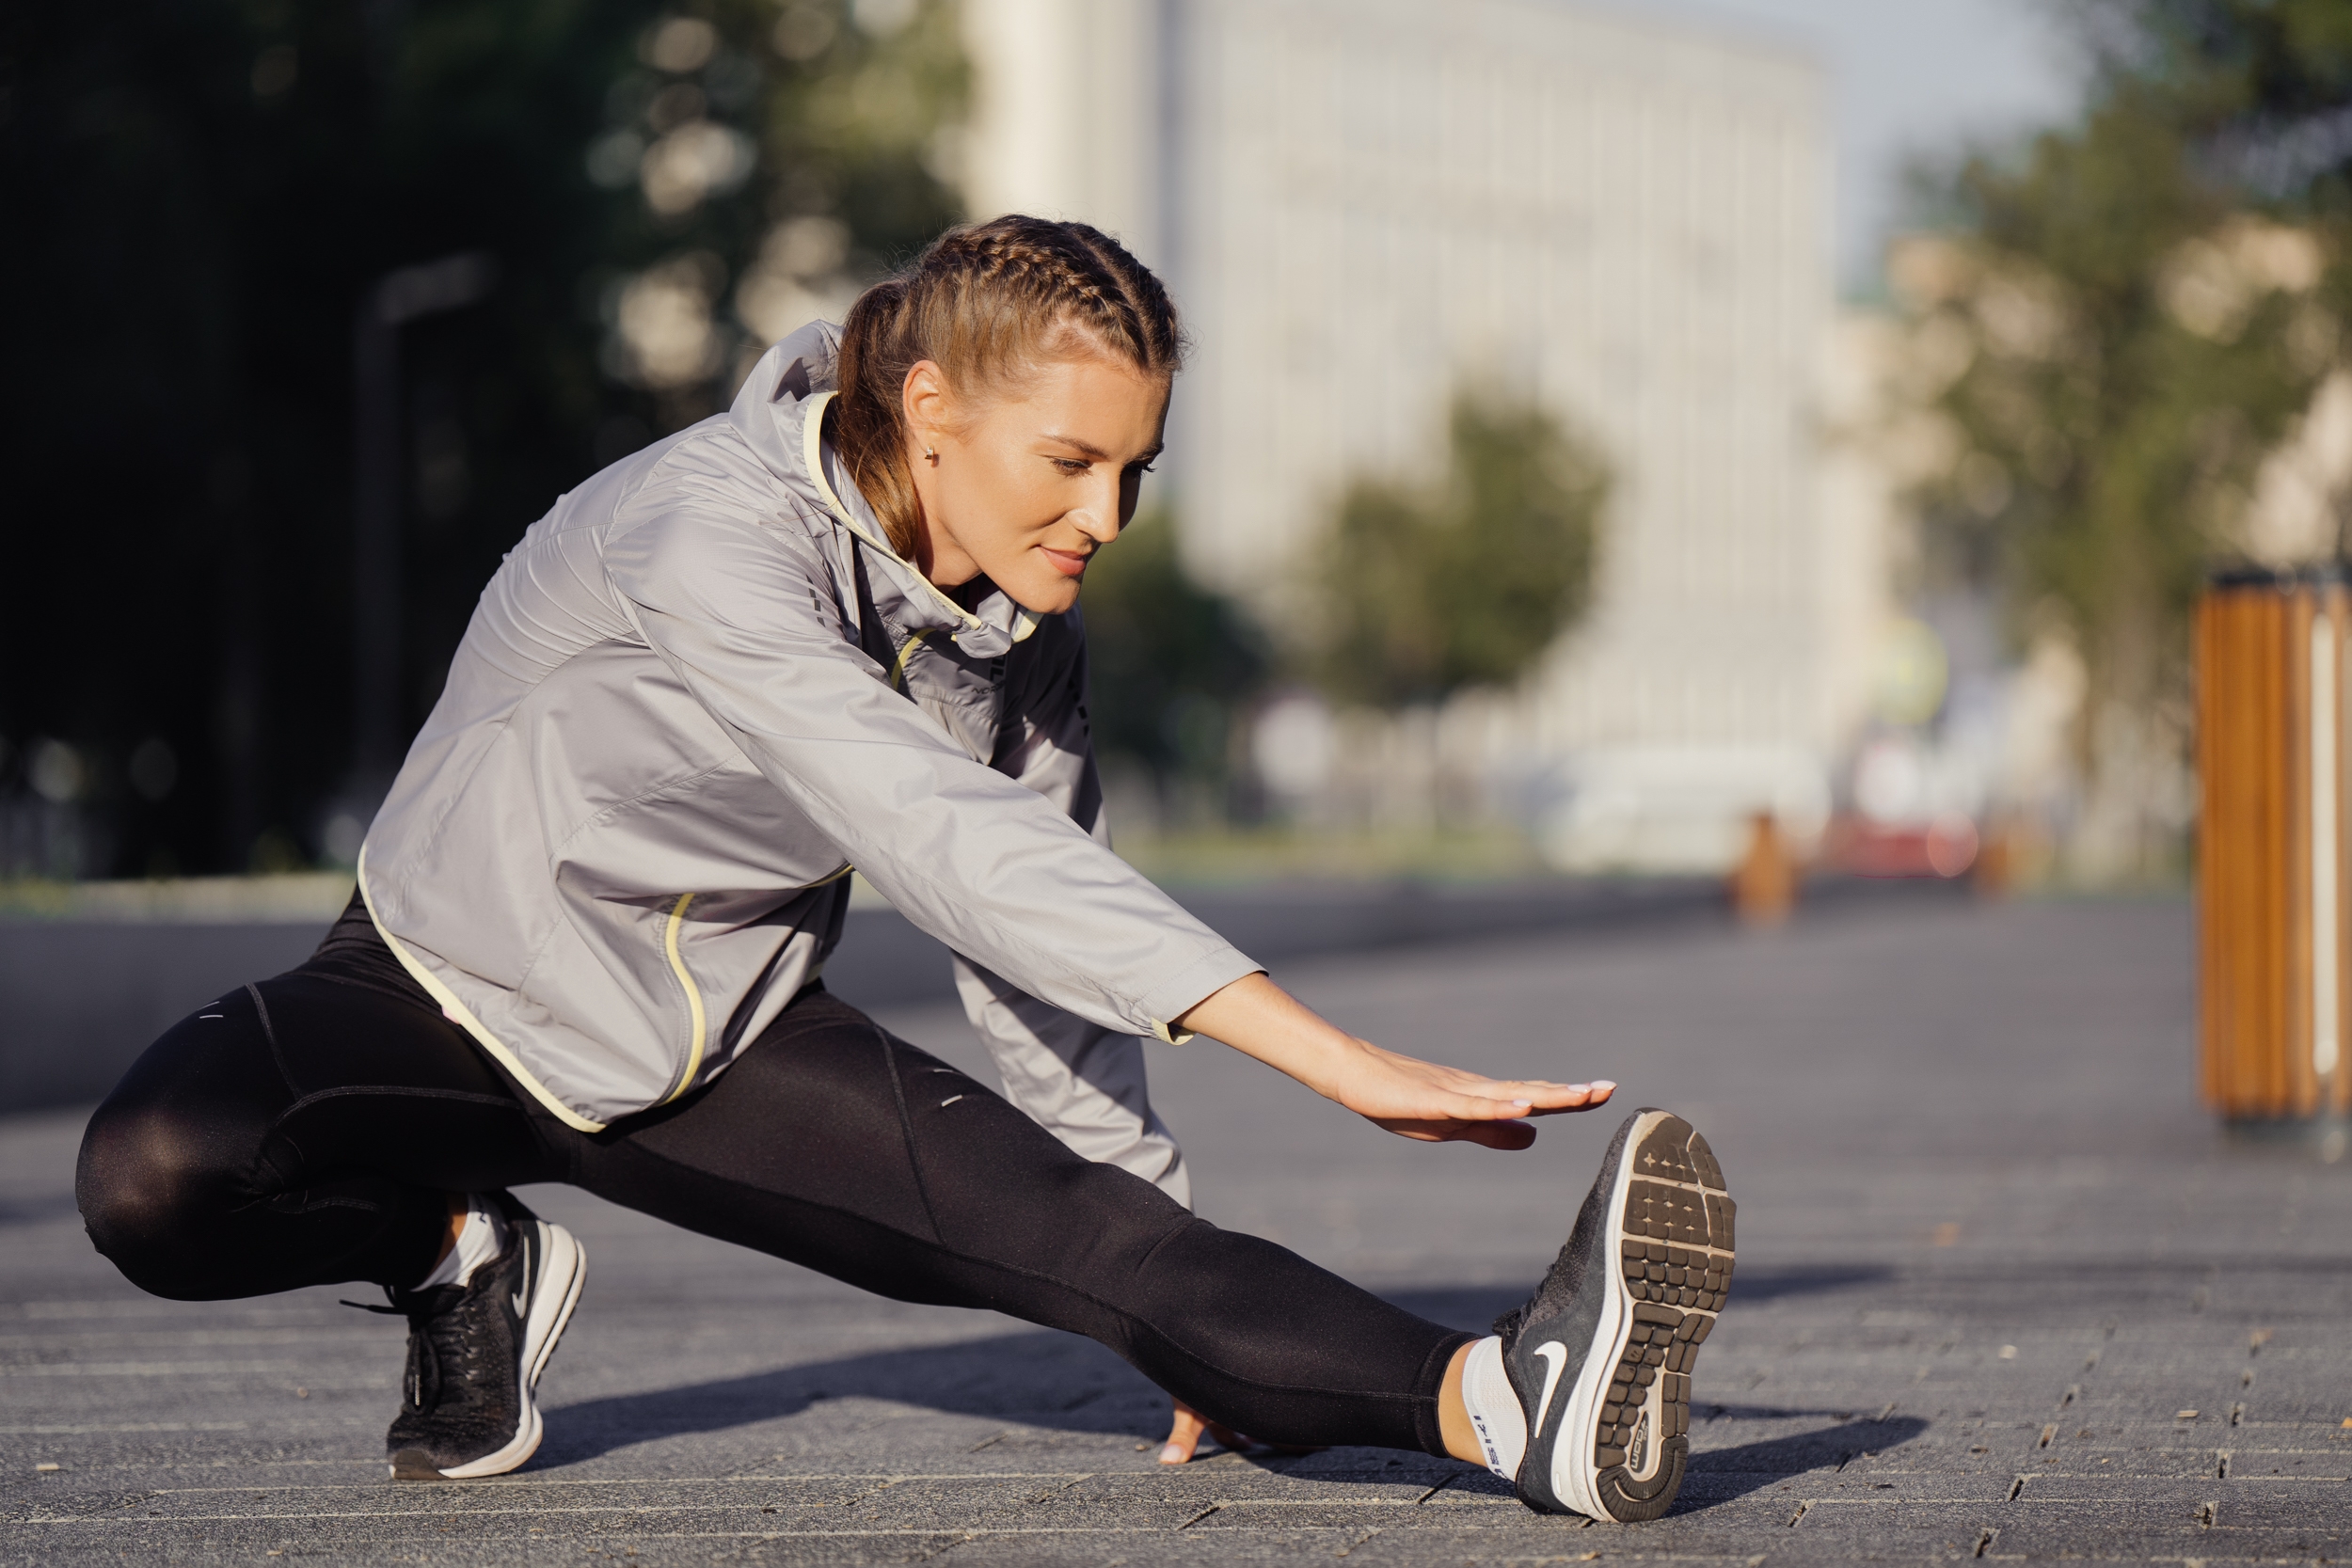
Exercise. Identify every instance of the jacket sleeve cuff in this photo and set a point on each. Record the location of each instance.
(1175, 997)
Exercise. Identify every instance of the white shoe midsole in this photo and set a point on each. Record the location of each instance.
(560, 1281)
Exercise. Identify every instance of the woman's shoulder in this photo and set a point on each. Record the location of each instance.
(710, 515)
(715, 471)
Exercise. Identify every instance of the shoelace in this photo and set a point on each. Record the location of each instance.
(1561, 1266)
(441, 1348)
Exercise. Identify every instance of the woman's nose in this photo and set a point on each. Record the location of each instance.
(1099, 519)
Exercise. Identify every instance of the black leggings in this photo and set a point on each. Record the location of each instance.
(306, 1130)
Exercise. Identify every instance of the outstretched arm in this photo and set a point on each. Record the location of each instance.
(1410, 1097)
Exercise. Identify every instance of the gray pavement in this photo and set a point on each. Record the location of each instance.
(2004, 1292)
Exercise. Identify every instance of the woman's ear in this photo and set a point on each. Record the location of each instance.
(928, 406)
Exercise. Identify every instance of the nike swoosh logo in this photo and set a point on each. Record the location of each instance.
(522, 1297)
(1555, 1355)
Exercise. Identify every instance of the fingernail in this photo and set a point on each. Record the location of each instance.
(1172, 1454)
(1604, 1083)
(1522, 1102)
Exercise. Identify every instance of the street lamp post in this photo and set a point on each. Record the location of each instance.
(395, 299)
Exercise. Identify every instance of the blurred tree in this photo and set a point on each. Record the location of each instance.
(1169, 663)
(1428, 589)
(2122, 324)
(198, 199)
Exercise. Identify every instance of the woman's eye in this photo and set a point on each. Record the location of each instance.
(1072, 466)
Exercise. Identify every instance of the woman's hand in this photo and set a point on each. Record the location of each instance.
(1186, 1431)
(1410, 1097)
(1421, 1099)
(1190, 1426)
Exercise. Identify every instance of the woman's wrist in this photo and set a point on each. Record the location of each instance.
(1324, 1059)
(1261, 1020)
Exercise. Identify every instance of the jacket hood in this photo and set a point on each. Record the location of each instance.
(780, 386)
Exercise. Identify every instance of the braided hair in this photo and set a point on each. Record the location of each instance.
(984, 302)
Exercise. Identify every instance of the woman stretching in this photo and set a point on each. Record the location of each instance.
(837, 626)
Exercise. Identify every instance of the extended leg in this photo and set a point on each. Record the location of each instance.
(830, 1144)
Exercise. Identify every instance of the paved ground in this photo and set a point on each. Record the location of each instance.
(2003, 1293)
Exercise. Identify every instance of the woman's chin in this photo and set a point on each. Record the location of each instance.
(1043, 593)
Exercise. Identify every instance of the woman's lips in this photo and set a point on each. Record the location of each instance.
(1064, 562)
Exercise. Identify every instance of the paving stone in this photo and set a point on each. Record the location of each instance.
(1991, 1251)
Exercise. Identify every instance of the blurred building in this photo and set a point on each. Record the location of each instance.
(1361, 204)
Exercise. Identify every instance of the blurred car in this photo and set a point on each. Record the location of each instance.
(1946, 846)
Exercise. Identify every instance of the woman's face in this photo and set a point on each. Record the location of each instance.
(1028, 483)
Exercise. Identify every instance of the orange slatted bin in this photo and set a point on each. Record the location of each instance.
(2274, 900)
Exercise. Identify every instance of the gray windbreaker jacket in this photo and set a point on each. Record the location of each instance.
(701, 688)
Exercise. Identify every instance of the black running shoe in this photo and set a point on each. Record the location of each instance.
(1600, 1356)
(475, 1353)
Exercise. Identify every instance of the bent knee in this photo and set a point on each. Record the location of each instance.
(148, 1182)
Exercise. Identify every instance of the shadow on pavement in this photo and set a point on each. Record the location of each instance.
(1751, 1283)
(1720, 1475)
(1717, 1476)
(1062, 1382)
(1042, 1378)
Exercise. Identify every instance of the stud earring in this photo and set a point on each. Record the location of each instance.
(931, 456)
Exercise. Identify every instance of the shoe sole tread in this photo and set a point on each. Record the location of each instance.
(1622, 1446)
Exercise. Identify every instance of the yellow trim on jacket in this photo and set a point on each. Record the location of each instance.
(694, 997)
(898, 666)
(463, 1016)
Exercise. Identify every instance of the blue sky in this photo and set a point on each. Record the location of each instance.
(1905, 76)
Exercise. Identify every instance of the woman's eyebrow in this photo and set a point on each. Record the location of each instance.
(1098, 454)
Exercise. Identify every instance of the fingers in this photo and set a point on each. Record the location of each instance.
(1595, 1095)
(1432, 1103)
(1506, 1102)
(1186, 1431)
(1498, 1123)
(1473, 1119)
(1184, 1435)
(1536, 1098)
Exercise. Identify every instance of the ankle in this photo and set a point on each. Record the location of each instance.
(1454, 1421)
(477, 1235)
(458, 1206)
